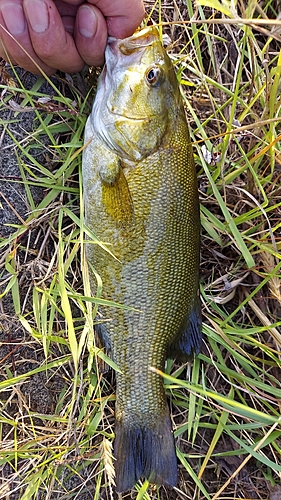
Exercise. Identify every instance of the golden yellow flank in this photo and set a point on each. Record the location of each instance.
(141, 196)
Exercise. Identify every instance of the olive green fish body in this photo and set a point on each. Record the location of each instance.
(141, 197)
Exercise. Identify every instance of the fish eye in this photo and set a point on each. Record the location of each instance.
(153, 76)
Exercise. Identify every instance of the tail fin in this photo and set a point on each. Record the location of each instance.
(147, 451)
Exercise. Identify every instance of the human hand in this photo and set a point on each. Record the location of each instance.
(63, 35)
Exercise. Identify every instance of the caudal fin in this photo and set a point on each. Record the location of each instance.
(144, 451)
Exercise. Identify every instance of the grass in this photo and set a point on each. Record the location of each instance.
(226, 406)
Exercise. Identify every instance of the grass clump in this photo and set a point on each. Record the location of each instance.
(226, 408)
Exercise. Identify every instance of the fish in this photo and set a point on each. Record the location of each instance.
(141, 202)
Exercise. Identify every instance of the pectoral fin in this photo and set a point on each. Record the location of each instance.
(116, 195)
(189, 338)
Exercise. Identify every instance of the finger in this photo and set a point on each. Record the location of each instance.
(53, 45)
(4, 54)
(68, 24)
(67, 8)
(68, 11)
(65, 5)
(90, 34)
(123, 17)
(16, 46)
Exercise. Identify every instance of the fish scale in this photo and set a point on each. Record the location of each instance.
(141, 197)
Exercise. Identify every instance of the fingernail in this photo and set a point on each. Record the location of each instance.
(14, 18)
(38, 15)
(87, 21)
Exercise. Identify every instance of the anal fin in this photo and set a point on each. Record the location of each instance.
(102, 343)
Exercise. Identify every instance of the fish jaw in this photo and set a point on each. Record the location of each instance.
(130, 46)
(127, 107)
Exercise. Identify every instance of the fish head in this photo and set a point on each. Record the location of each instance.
(137, 97)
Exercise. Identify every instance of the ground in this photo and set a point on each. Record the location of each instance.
(57, 408)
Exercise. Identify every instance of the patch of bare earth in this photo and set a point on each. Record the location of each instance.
(44, 431)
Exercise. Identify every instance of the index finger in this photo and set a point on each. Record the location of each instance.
(122, 16)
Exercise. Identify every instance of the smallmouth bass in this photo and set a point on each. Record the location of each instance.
(141, 196)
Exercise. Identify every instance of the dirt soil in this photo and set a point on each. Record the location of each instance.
(18, 351)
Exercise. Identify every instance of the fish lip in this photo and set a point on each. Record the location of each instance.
(139, 40)
(128, 117)
(141, 34)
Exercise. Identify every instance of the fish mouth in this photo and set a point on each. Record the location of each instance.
(139, 40)
(129, 117)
